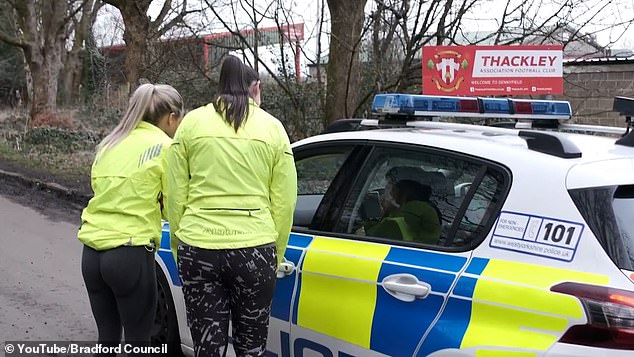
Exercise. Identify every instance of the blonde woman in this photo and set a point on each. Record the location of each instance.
(233, 188)
(121, 226)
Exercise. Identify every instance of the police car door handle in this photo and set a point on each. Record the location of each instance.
(286, 268)
(405, 287)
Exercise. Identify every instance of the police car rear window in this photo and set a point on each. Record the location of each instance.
(609, 212)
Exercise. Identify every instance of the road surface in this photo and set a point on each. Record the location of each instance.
(42, 294)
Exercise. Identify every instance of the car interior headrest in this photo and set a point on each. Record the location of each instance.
(436, 180)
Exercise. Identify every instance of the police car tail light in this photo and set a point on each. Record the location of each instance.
(610, 316)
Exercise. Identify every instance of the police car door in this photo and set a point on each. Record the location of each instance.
(395, 291)
(317, 166)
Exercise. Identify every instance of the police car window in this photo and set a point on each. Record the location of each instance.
(314, 176)
(478, 212)
(421, 197)
(608, 212)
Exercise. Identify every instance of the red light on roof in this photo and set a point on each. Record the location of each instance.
(469, 105)
(523, 107)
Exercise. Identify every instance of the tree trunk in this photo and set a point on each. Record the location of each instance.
(45, 68)
(136, 36)
(136, 44)
(71, 77)
(140, 30)
(73, 62)
(28, 96)
(43, 28)
(347, 17)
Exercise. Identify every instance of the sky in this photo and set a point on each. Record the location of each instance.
(599, 17)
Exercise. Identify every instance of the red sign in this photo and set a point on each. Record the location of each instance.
(492, 70)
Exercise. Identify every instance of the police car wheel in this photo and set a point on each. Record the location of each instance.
(165, 329)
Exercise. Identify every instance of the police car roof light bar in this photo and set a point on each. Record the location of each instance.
(414, 106)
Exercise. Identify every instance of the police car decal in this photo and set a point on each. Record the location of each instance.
(536, 235)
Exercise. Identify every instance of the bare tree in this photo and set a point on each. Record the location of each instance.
(400, 28)
(322, 10)
(379, 50)
(140, 30)
(242, 19)
(346, 29)
(42, 26)
(81, 28)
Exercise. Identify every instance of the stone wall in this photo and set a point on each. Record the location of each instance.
(591, 89)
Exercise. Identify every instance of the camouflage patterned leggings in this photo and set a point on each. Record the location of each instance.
(219, 284)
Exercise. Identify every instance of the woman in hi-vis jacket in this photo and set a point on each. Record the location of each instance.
(233, 188)
(121, 226)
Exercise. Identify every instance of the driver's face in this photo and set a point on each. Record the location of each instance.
(388, 199)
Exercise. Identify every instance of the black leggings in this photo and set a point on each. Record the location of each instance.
(218, 284)
(121, 284)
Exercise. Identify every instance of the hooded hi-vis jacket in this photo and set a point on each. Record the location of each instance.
(414, 221)
(231, 189)
(128, 182)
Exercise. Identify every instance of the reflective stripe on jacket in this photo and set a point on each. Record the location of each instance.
(127, 180)
(231, 189)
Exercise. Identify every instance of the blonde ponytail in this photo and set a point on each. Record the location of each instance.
(149, 103)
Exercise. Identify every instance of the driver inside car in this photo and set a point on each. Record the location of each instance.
(407, 214)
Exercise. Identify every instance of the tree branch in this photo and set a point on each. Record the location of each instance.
(503, 22)
(13, 41)
(440, 32)
(167, 6)
(71, 15)
(173, 22)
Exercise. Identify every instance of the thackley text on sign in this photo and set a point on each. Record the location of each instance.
(518, 64)
(492, 70)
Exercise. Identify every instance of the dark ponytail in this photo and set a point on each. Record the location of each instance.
(232, 98)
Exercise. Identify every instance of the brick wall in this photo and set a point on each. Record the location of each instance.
(591, 90)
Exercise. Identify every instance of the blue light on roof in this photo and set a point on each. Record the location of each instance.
(495, 105)
(413, 105)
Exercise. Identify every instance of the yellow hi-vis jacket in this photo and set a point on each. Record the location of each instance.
(231, 190)
(128, 182)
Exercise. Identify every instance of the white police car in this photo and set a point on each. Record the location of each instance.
(534, 255)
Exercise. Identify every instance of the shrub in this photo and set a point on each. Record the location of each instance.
(51, 140)
(54, 120)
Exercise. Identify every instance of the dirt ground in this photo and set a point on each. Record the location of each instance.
(42, 294)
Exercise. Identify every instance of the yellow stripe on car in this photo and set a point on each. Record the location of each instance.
(537, 275)
(514, 308)
(503, 353)
(351, 269)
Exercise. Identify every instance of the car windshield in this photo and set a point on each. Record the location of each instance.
(609, 212)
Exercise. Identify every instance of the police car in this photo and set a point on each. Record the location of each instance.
(534, 255)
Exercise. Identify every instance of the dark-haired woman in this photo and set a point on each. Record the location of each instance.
(233, 187)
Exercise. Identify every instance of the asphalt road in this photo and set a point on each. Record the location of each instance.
(42, 294)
